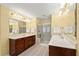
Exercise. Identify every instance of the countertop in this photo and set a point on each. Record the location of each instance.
(64, 41)
(17, 36)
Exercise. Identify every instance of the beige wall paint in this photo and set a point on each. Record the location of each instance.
(63, 20)
(33, 24)
(0, 32)
(78, 29)
(4, 28)
(43, 21)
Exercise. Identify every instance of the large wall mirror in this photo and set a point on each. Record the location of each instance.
(22, 27)
(17, 26)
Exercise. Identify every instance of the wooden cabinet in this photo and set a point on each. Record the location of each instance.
(59, 51)
(27, 43)
(17, 46)
(32, 40)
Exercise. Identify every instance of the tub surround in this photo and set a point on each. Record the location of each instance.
(62, 45)
(62, 41)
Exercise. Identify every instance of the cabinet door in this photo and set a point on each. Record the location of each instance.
(11, 47)
(27, 42)
(19, 45)
(33, 40)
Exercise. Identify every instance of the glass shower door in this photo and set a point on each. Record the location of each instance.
(44, 33)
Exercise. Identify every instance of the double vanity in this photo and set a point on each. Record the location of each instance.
(20, 42)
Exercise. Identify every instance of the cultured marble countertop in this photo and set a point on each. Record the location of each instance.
(64, 41)
(17, 36)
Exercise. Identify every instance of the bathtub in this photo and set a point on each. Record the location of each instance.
(62, 45)
(63, 40)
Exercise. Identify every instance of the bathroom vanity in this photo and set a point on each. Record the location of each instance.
(19, 43)
(62, 45)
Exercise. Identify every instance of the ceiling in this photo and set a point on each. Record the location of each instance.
(40, 10)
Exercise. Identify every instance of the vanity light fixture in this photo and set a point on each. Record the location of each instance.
(64, 10)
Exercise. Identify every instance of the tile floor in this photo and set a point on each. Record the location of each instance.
(36, 50)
